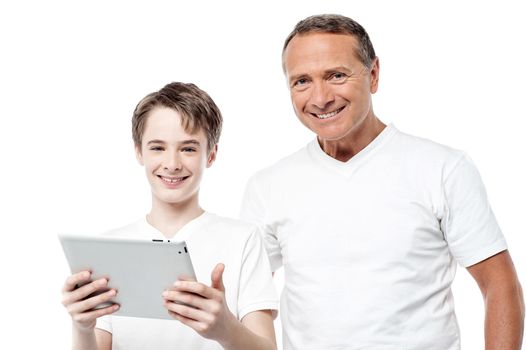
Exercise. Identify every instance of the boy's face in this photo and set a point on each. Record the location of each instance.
(174, 160)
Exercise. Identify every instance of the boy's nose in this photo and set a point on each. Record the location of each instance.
(172, 163)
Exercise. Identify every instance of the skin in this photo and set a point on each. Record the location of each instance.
(325, 75)
(174, 162)
(503, 298)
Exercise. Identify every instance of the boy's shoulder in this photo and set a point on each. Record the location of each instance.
(229, 224)
(138, 228)
(208, 223)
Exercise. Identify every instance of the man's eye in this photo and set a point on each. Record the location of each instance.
(189, 149)
(156, 148)
(300, 84)
(338, 76)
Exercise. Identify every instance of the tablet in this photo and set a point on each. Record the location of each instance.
(140, 270)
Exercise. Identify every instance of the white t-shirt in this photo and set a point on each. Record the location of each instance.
(211, 240)
(369, 246)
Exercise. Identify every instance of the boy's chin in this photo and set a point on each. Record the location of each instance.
(179, 199)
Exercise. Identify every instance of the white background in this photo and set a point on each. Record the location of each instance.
(71, 73)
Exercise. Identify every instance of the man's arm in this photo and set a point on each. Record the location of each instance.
(503, 300)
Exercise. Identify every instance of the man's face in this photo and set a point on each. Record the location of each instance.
(329, 86)
(174, 160)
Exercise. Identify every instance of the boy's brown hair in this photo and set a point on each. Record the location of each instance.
(197, 110)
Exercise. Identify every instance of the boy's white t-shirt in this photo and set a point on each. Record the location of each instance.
(211, 239)
(369, 246)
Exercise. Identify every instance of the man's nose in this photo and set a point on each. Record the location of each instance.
(321, 95)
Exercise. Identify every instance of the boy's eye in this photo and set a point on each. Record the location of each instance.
(189, 149)
(156, 148)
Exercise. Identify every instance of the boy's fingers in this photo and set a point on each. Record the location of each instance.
(92, 315)
(89, 304)
(84, 291)
(194, 287)
(187, 311)
(217, 277)
(191, 299)
(73, 280)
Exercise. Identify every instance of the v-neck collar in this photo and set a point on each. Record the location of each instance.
(183, 233)
(349, 167)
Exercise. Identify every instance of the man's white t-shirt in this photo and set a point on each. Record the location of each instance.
(211, 240)
(369, 246)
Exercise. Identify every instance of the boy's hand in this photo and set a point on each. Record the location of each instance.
(79, 306)
(205, 308)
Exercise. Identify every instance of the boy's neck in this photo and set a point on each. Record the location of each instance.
(169, 218)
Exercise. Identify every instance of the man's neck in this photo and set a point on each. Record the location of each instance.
(169, 218)
(355, 141)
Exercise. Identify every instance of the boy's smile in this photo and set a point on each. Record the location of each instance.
(173, 182)
(174, 160)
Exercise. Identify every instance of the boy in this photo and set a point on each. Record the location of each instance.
(175, 132)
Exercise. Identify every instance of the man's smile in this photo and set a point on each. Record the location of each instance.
(328, 115)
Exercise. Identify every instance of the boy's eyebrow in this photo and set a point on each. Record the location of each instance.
(185, 142)
(191, 141)
(155, 141)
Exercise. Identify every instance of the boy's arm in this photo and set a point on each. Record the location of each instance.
(204, 309)
(503, 299)
(81, 309)
(91, 339)
(261, 323)
(104, 339)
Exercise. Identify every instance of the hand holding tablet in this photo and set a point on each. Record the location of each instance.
(131, 273)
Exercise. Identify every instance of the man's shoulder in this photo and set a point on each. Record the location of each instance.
(424, 149)
(286, 164)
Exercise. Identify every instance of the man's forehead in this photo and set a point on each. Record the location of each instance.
(319, 51)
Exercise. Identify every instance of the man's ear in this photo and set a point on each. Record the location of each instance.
(375, 75)
(211, 156)
(138, 155)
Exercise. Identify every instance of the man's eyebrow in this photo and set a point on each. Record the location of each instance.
(339, 69)
(326, 71)
(297, 76)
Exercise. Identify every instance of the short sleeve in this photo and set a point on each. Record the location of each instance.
(256, 288)
(104, 323)
(255, 209)
(469, 226)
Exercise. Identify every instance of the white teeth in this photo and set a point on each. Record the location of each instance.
(172, 180)
(328, 115)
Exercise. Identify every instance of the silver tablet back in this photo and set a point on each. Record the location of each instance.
(140, 270)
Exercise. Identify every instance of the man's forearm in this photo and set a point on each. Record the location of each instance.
(504, 324)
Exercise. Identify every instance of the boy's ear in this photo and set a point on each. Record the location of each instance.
(138, 155)
(211, 156)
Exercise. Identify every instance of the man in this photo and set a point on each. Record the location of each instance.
(370, 222)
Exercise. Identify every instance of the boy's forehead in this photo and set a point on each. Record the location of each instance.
(167, 124)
